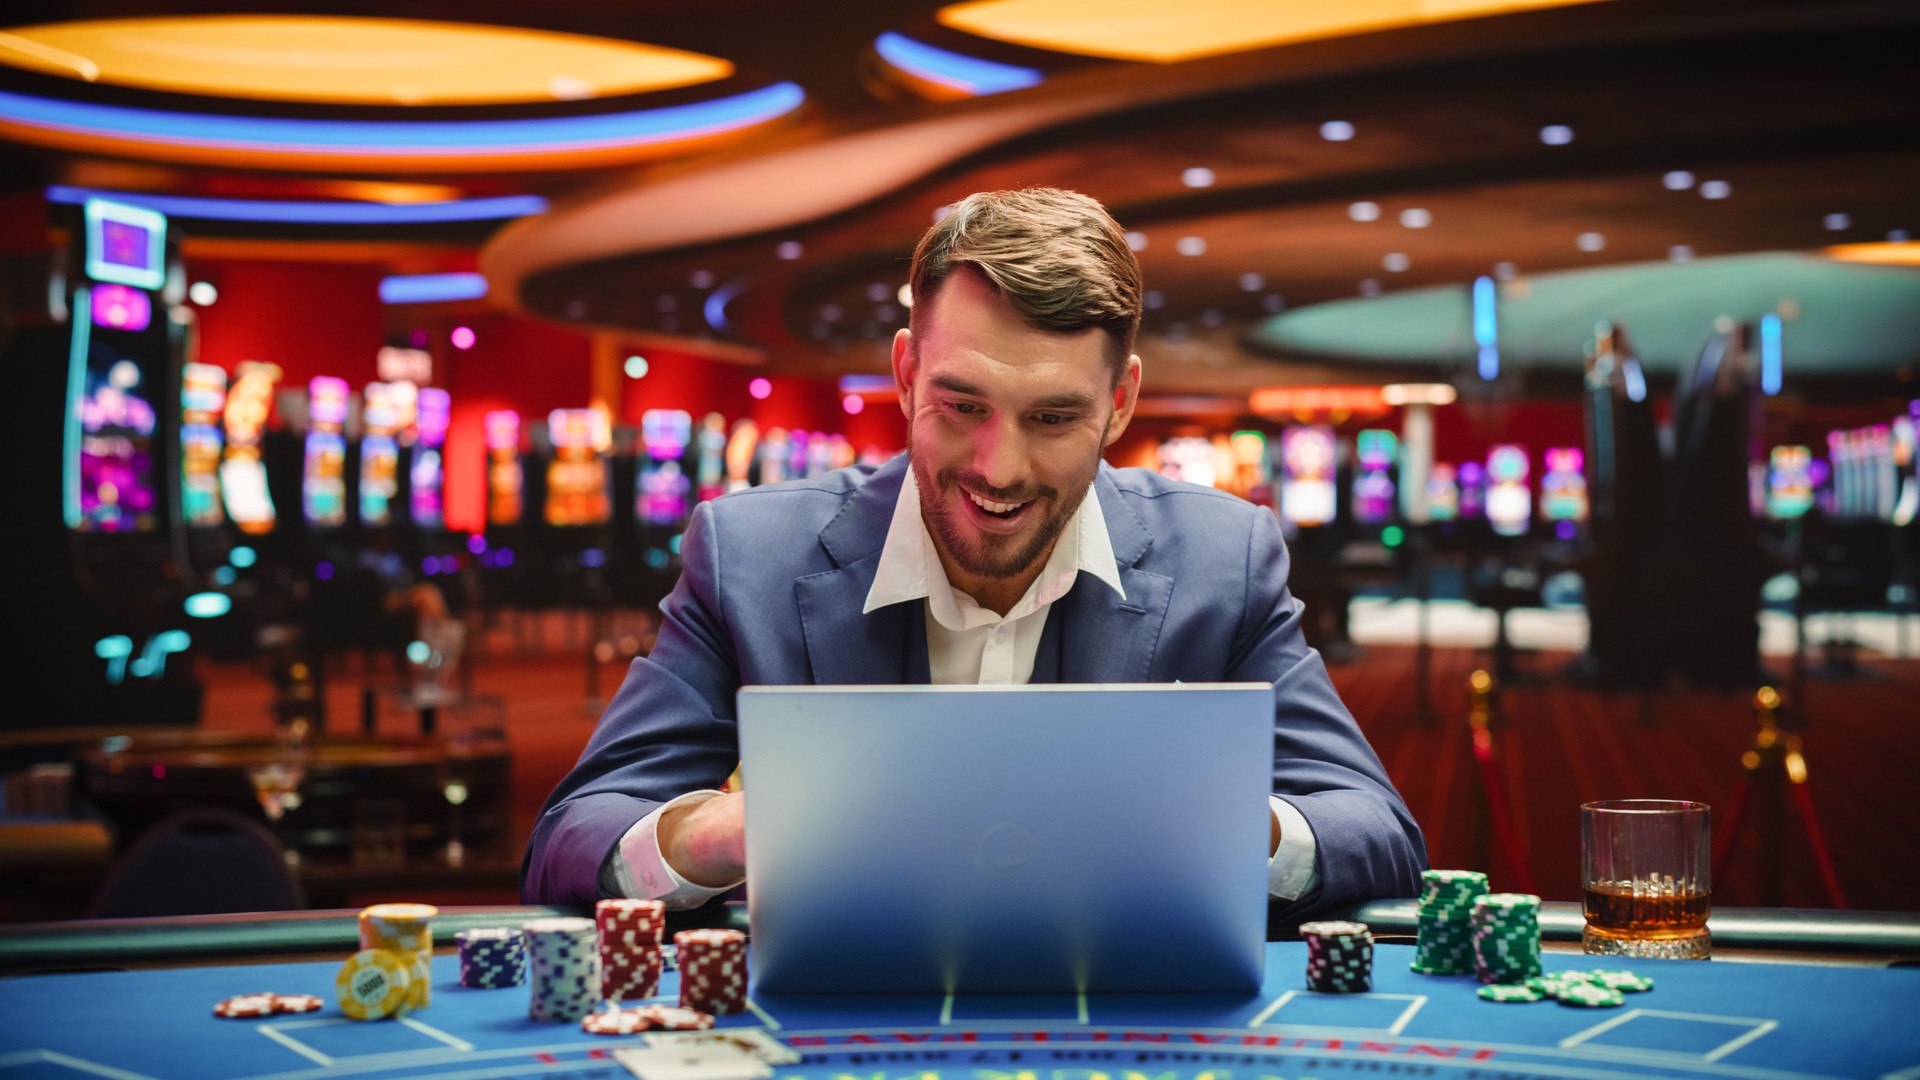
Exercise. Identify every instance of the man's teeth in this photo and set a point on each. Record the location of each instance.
(992, 507)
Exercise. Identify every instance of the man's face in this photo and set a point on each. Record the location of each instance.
(1005, 425)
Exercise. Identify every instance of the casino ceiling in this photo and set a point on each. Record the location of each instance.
(1313, 188)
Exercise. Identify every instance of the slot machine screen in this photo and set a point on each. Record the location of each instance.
(111, 433)
(379, 454)
(1308, 496)
(1906, 456)
(243, 476)
(1443, 493)
(203, 396)
(427, 475)
(741, 447)
(664, 496)
(126, 245)
(1509, 496)
(1187, 458)
(577, 480)
(710, 472)
(1563, 487)
(1373, 489)
(323, 484)
(1789, 482)
(504, 478)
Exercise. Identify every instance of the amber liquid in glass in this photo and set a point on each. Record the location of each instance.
(1644, 910)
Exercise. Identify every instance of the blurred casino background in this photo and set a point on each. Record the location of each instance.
(362, 369)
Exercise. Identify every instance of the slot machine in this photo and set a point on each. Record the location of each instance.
(820, 454)
(578, 478)
(203, 397)
(1187, 458)
(323, 483)
(1789, 483)
(1472, 480)
(710, 462)
(662, 499)
(506, 502)
(742, 445)
(1509, 499)
(1252, 480)
(243, 472)
(1308, 491)
(426, 467)
(1376, 454)
(381, 421)
(1563, 490)
(1906, 463)
(1443, 493)
(772, 456)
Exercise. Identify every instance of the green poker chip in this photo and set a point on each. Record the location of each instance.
(1510, 993)
(1625, 981)
(1591, 996)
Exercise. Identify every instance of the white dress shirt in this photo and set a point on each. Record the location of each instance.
(966, 643)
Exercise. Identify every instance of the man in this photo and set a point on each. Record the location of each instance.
(999, 549)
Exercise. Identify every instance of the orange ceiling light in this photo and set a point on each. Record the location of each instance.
(351, 61)
(1153, 31)
(1892, 253)
(1312, 401)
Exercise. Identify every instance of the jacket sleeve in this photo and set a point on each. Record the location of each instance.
(1368, 845)
(670, 729)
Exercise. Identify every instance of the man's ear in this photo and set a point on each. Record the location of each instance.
(905, 365)
(1126, 395)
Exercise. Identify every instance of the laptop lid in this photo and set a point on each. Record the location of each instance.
(939, 839)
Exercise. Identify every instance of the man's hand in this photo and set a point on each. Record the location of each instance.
(706, 843)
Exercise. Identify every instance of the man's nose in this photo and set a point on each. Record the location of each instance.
(1000, 454)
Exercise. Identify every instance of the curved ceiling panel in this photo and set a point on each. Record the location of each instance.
(358, 61)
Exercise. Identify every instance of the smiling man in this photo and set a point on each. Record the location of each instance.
(999, 549)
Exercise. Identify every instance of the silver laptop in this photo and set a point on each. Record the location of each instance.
(979, 839)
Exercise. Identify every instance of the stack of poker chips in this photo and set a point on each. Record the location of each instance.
(565, 969)
(1506, 937)
(630, 954)
(1581, 989)
(492, 959)
(376, 984)
(713, 970)
(1445, 942)
(406, 929)
(1339, 957)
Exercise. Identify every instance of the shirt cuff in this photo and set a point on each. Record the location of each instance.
(638, 869)
(1292, 872)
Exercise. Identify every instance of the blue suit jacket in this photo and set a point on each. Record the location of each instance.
(771, 593)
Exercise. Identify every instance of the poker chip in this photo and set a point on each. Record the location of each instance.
(1590, 996)
(631, 958)
(245, 1007)
(1506, 937)
(713, 970)
(492, 958)
(1444, 926)
(674, 1018)
(616, 1022)
(1509, 993)
(1339, 957)
(375, 984)
(297, 1003)
(407, 929)
(563, 969)
(1624, 981)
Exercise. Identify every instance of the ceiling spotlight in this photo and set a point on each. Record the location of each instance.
(1416, 218)
(1370, 287)
(1197, 177)
(462, 337)
(1590, 241)
(701, 279)
(905, 295)
(1191, 245)
(636, 367)
(761, 389)
(878, 292)
(1680, 253)
(1364, 211)
(1396, 261)
(1677, 180)
(852, 404)
(1715, 189)
(1336, 131)
(1252, 282)
(789, 250)
(1837, 222)
(1505, 271)
(203, 293)
(1136, 241)
(1556, 134)
(1154, 299)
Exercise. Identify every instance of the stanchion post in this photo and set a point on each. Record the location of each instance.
(1480, 686)
(1766, 765)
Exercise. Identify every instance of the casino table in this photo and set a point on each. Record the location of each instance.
(1794, 995)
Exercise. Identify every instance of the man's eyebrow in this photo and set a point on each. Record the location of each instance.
(955, 386)
(1065, 402)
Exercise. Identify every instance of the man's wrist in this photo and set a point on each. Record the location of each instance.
(687, 848)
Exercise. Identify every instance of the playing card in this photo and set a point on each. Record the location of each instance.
(753, 1040)
(699, 1061)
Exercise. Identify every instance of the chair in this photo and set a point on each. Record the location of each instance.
(200, 862)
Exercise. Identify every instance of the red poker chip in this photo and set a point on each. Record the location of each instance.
(672, 1018)
(616, 1022)
(245, 1007)
(297, 1003)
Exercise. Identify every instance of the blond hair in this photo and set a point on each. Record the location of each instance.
(1057, 256)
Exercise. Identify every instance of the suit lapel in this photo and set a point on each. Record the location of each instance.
(845, 647)
(1104, 639)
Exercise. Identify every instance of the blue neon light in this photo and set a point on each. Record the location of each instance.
(1486, 330)
(243, 556)
(314, 213)
(407, 138)
(969, 74)
(208, 605)
(715, 307)
(76, 392)
(866, 384)
(1636, 379)
(431, 288)
(1770, 354)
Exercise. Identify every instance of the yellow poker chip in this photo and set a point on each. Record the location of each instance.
(374, 984)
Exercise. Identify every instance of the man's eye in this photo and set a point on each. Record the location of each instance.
(964, 408)
(1051, 419)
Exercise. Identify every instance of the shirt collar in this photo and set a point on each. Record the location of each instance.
(910, 569)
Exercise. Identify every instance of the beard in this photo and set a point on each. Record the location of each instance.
(985, 555)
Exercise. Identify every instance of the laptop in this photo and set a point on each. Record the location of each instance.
(1033, 839)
